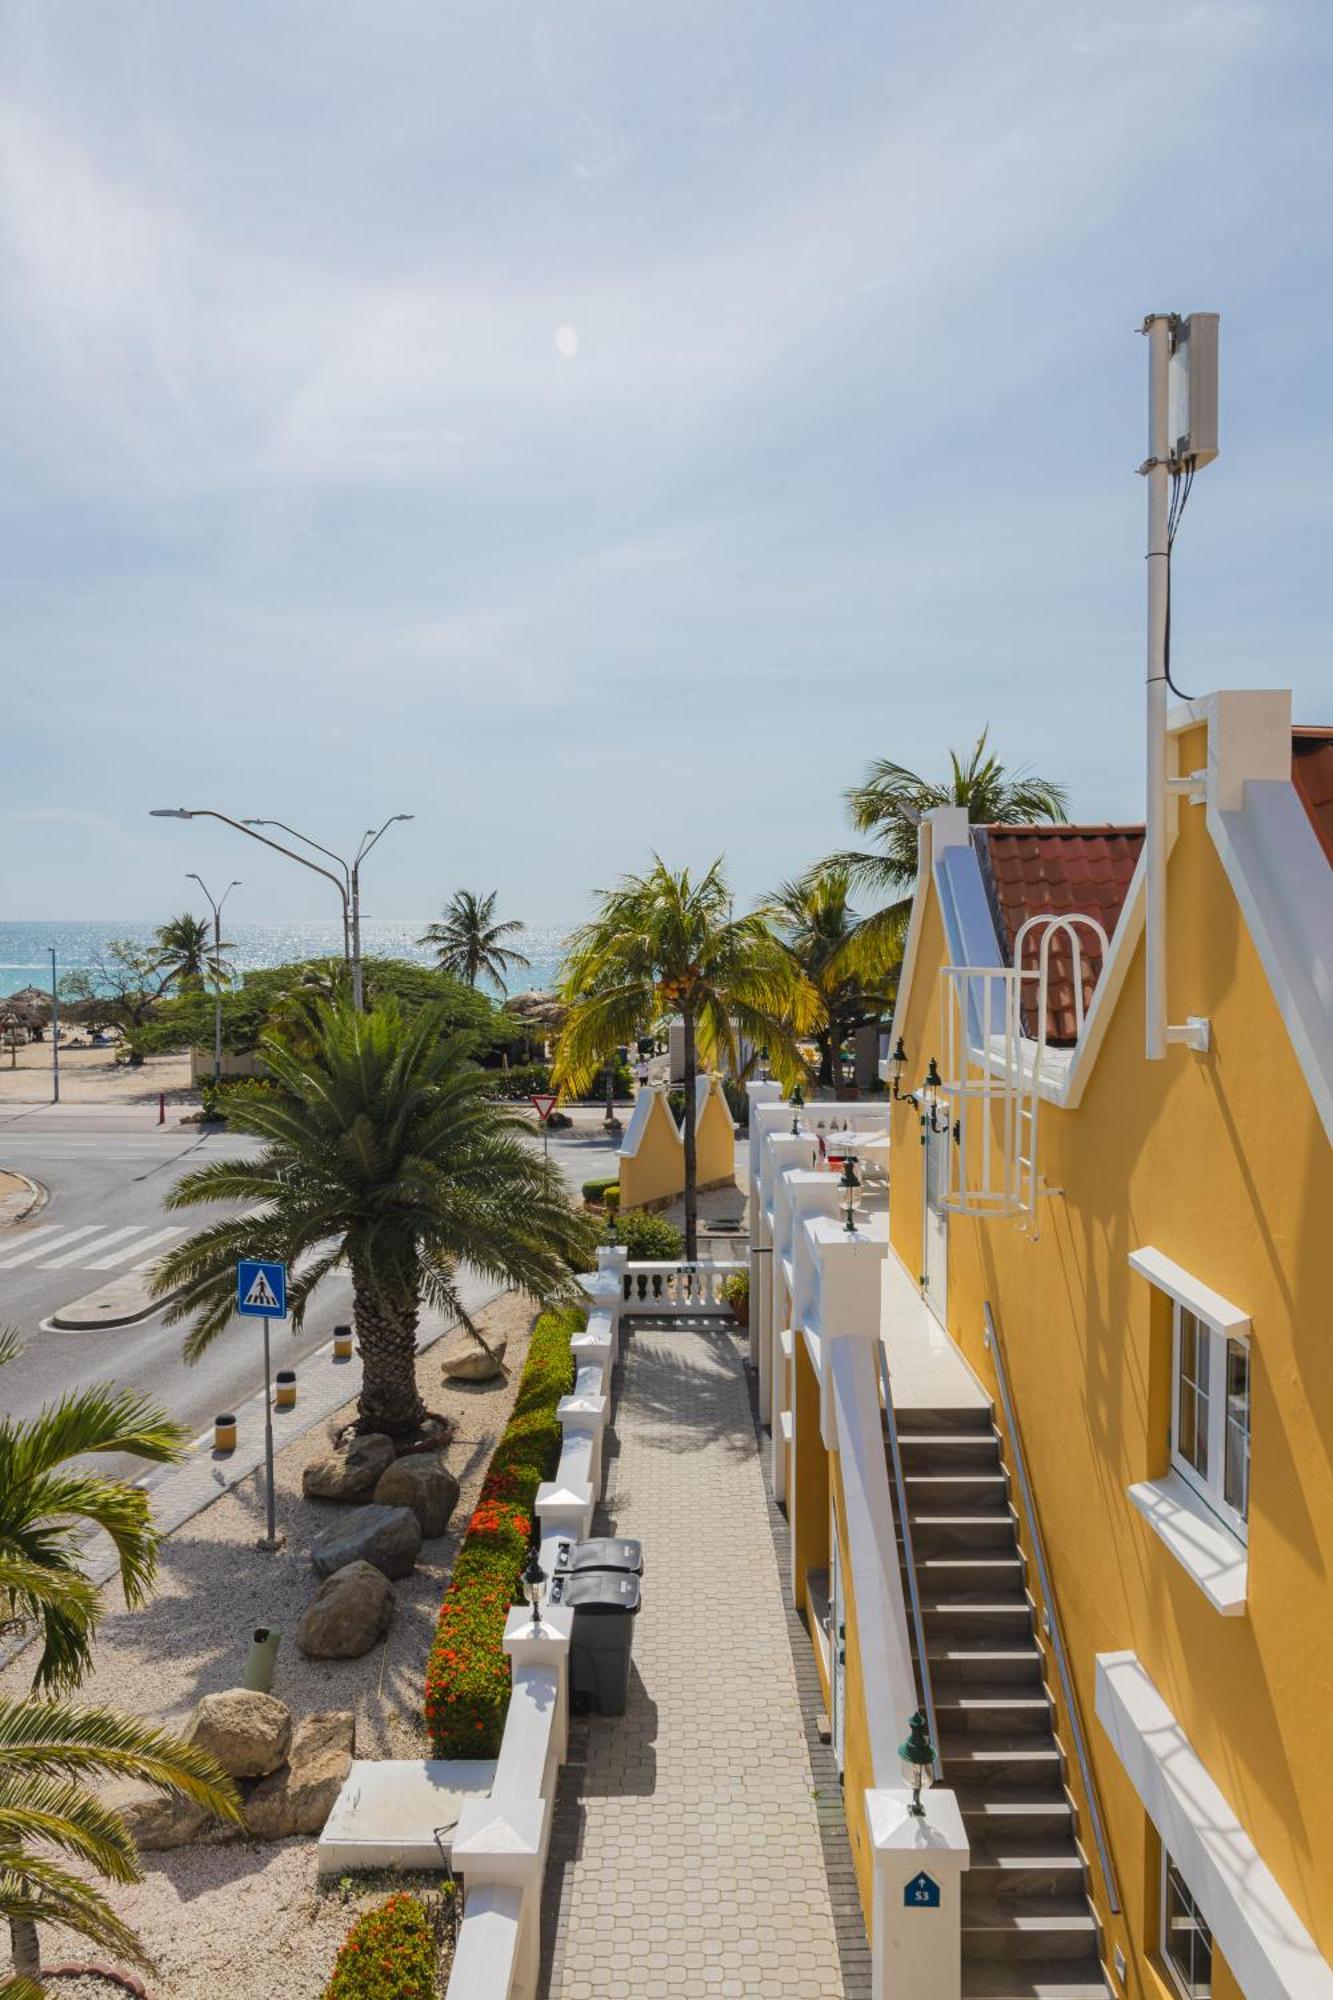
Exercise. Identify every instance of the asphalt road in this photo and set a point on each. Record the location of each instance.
(106, 1171)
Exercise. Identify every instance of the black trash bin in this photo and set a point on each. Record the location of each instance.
(612, 1552)
(605, 1603)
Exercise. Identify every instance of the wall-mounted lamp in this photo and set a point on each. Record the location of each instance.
(534, 1586)
(897, 1069)
(933, 1112)
(849, 1183)
(797, 1106)
(918, 1755)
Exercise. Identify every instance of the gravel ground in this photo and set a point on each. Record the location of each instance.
(242, 1919)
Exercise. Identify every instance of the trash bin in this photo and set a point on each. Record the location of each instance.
(574, 1558)
(605, 1603)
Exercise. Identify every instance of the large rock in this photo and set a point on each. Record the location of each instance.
(466, 1362)
(247, 1732)
(157, 1822)
(347, 1615)
(299, 1796)
(389, 1537)
(349, 1474)
(421, 1483)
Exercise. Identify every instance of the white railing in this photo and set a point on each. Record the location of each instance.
(680, 1286)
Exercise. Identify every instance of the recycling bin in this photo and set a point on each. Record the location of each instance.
(612, 1552)
(605, 1604)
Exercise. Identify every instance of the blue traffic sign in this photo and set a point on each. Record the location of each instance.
(261, 1289)
(921, 1893)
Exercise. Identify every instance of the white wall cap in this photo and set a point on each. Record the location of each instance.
(1188, 1290)
(541, 1645)
(1271, 1954)
(584, 1410)
(1249, 736)
(894, 1829)
(612, 1255)
(948, 826)
(500, 1841)
(1203, 1545)
(763, 1090)
(554, 1494)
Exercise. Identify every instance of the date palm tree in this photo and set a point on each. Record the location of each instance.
(382, 1153)
(816, 922)
(888, 805)
(53, 1753)
(663, 944)
(185, 953)
(469, 942)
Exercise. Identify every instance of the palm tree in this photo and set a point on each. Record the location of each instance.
(823, 933)
(889, 804)
(382, 1153)
(468, 942)
(663, 944)
(50, 1750)
(186, 952)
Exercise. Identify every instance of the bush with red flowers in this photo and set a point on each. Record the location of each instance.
(389, 1954)
(467, 1674)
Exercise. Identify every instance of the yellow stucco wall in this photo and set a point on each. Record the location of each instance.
(1219, 1161)
(656, 1170)
(807, 1494)
(715, 1139)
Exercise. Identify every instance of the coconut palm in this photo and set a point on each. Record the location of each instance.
(888, 805)
(382, 1154)
(185, 952)
(51, 1752)
(469, 941)
(664, 944)
(816, 922)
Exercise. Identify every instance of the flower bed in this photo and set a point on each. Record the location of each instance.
(467, 1674)
(389, 1954)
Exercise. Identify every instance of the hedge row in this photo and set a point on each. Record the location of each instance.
(467, 1674)
(389, 1954)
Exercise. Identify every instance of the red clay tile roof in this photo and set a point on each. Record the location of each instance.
(1032, 870)
(1312, 775)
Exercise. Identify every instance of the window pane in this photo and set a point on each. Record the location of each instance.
(1186, 1939)
(1192, 1398)
(1236, 1484)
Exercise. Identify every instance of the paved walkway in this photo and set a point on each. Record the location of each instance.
(686, 1855)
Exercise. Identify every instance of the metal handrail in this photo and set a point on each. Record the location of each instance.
(1052, 1613)
(925, 1690)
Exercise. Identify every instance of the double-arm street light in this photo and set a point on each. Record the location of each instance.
(347, 883)
(216, 906)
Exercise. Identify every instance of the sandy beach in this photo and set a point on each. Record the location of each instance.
(92, 1076)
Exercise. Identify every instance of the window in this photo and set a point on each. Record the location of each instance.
(1210, 1415)
(1187, 1942)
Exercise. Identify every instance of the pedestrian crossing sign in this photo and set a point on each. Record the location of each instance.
(261, 1289)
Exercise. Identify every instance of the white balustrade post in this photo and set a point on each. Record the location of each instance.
(500, 1844)
(544, 1645)
(916, 1933)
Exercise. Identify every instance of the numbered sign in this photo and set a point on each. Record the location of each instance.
(922, 1893)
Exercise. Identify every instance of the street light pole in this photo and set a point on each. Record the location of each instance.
(352, 894)
(217, 966)
(207, 812)
(55, 1030)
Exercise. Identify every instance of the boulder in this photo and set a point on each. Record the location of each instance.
(464, 1361)
(421, 1483)
(389, 1537)
(300, 1794)
(158, 1822)
(247, 1732)
(348, 1614)
(349, 1474)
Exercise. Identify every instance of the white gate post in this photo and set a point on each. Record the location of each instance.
(916, 1936)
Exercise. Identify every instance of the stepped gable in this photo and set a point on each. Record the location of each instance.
(1031, 871)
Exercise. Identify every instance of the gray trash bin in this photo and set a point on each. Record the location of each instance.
(605, 1603)
(612, 1552)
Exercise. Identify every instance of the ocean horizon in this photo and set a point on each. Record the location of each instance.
(25, 948)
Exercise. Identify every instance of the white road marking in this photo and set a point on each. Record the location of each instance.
(32, 1250)
(93, 1249)
(124, 1256)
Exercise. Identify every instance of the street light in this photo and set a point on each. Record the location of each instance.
(217, 966)
(55, 1030)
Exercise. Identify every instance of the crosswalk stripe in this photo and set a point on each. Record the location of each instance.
(93, 1249)
(144, 1243)
(31, 1235)
(43, 1249)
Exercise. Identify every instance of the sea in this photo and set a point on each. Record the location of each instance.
(25, 948)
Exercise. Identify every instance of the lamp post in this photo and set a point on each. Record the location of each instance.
(55, 1030)
(217, 965)
(534, 1586)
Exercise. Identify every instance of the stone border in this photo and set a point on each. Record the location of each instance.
(38, 1195)
(125, 1980)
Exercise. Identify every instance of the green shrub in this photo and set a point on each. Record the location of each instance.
(467, 1674)
(622, 1086)
(519, 1082)
(389, 1954)
(736, 1290)
(611, 1198)
(650, 1239)
(596, 1190)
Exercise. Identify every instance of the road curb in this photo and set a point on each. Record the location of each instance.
(125, 1301)
(31, 1196)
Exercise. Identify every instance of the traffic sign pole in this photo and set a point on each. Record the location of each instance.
(261, 1293)
(271, 1542)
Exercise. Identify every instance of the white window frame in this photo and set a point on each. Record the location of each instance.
(1186, 1992)
(1211, 1488)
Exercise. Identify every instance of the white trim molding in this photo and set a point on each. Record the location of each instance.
(1204, 1547)
(1271, 1954)
(1190, 1292)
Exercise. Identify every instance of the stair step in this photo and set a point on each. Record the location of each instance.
(946, 1451)
(933, 1490)
(912, 1421)
(992, 1818)
(983, 1610)
(987, 1710)
(1034, 1979)
(1025, 1878)
(962, 1530)
(955, 1567)
(974, 1667)
(1013, 1930)
(1031, 1779)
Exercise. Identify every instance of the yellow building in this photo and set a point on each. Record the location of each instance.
(1115, 1516)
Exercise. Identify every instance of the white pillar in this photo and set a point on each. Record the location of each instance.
(916, 1932)
(501, 1844)
(758, 1093)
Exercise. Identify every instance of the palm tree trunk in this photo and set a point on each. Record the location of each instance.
(691, 1148)
(386, 1332)
(25, 1948)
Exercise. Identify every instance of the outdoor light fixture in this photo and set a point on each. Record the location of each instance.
(797, 1106)
(850, 1182)
(898, 1064)
(918, 1755)
(930, 1092)
(534, 1586)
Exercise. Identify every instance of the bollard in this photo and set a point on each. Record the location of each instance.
(161, 1107)
(263, 1658)
(342, 1343)
(224, 1432)
(285, 1396)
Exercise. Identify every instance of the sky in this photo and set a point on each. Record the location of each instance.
(602, 428)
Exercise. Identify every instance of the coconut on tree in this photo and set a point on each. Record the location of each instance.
(469, 942)
(666, 944)
(382, 1155)
(55, 1754)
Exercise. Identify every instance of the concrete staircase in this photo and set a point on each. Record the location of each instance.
(1028, 1925)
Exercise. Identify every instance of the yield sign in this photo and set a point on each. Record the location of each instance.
(545, 1102)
